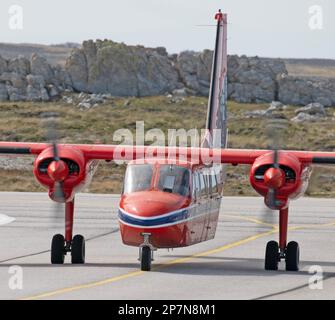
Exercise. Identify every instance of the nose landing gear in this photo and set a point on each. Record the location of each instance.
(146, 253)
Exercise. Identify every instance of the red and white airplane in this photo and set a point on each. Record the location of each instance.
(172, 195)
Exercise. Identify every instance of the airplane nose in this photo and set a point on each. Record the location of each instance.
(152, 203)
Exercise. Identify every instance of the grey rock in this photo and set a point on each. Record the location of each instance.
(109, 67)
(3, 92)
(276, 105)
(253, 79)
(53, 91)
(35, 81)
(305, 90)
(313, 109)
(15, 94)
(306, 117)
(195, 70)
(19, 65)
(257, 114)
(84, 105)
(40, 66)
(44, 95)
(3, 65)
(179, 92)
(14, 80)
(34, 94)
(62, 78)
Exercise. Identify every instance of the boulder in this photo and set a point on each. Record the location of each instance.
(277, 106)
(313, 109)
(253, 79)
(195, 70)
(306, 117)
(121, 70)
(40, 67)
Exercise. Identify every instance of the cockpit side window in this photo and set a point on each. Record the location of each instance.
(138, 178)
(174, 179)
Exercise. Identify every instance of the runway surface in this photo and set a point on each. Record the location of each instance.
(229, 267)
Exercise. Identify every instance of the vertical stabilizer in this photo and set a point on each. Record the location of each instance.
(216, 124)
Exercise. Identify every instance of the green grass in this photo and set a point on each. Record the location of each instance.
(22, 122)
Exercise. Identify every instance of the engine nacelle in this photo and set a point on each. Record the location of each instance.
(79, 171)
(293, 183)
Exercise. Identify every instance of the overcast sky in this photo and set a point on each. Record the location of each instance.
(269, 28)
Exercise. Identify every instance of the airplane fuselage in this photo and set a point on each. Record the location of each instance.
(173, 217)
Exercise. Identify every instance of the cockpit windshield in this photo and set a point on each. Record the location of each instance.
(138, 178)
(174, 179)
(171, 179)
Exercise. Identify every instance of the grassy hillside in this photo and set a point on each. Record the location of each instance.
(22, 122)
(55, 54)
(311, 67)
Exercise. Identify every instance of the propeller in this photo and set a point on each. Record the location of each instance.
(274, 177)
(57, 169)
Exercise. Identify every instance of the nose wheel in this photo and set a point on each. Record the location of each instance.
(59, 248)
(146, 258)
(273, 255)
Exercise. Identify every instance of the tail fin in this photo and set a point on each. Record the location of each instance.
(216, 136)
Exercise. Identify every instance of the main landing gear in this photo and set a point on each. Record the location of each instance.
(146, 253)
(61, 245)
(276, 252)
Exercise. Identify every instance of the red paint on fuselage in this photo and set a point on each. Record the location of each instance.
(152, 204)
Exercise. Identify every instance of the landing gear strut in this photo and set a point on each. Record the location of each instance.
(276, 252)
(61, 245)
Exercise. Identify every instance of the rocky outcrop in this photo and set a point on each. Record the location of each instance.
(195, 70)
(254, 79)
(303, 90)
(107, 67)
(121, 70)
(31, 80)
(310, 113)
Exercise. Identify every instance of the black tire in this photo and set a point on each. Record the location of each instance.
(146, 259)
(78, 250)
(292, 256)
(57, 249)
(272, 255)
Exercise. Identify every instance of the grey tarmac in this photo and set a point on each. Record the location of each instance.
(229, 267)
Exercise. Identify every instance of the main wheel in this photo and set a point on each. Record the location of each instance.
(57, 249)
(292, 256)
(272, 255)
(78, 249)
(146, 259)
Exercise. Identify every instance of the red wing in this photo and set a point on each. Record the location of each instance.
(120, 152)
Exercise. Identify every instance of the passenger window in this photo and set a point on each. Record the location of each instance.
(214, 183)
(196, 186)
(203, 188)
